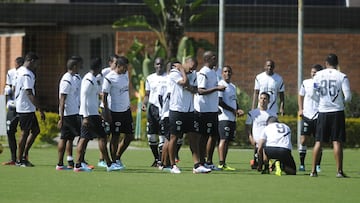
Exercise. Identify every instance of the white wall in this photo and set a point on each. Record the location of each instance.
(2, 116)
(353, 3)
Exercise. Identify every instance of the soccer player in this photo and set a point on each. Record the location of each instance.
(206, 104)
(116, 100)
(271, 83)
(227, 119)
(164, 99)
(256, 122)
(111, 66)
(154, 83)
(91, 126)
(69, 120)
(12, 119)
(308, 111)
(181, 115)
(333, 88)
(26, 105)
(275, 143)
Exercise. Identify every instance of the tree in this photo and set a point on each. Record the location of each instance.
(171, 42)
(170, 22)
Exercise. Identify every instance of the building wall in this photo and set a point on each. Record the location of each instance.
(51, 47)
(52, 67)
(247, 52)
(10, 49)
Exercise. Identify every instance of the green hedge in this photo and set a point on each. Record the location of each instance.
(352, 130)
(49, 130)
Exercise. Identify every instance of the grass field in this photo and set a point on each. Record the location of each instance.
(141, 183)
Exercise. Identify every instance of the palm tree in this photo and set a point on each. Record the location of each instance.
(170, 22)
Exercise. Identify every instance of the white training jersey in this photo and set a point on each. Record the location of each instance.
(207, 79)
(219, 73)
(154, 83)
(100, 76)
(117, 87)
(192, 78)
(277, 135)
(164, 94)
(181, 100)
(229, 98)
(25, 80)
(105, 71)
(77, 82)
(70, 87)
(89, 96)
(332, 84)
(10, 81)
(257, 118)
(271, 84)
(310, 106)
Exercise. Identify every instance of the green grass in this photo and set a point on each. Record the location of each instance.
(141, 183)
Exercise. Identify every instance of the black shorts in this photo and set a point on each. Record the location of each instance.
(153, 120)
(95, 129)
(208, 123)
(165, 128)
(122, 122)
(281, 154)
(182, 122)
(308, 126)
(28, 121)
(331, 127)
(227, 130)
(12, 120)
(71, 127)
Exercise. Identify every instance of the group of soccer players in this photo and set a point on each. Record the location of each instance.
(179, 100)
(112, 83)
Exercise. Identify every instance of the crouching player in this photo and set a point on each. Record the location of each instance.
(275, 143)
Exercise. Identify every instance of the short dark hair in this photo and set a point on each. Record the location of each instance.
(272, 119)
(208, 55)
(73, 60)
(95, 63)
(111, 57)
(19, 60)
(229, 67)
(317, 67)
(271, 61)
(332, 59)
(31, 56)
(76, 58)
(122, 60)
(70, 64)
(174, 62)
(266, 94)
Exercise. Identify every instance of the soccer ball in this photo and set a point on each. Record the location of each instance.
(1, 148)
